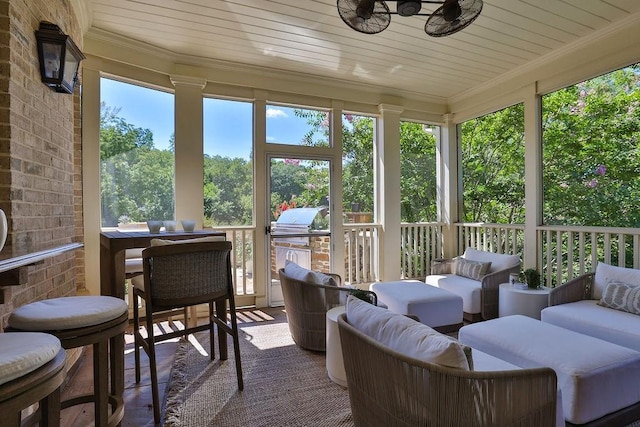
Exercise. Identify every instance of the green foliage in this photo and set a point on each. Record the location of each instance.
(228, 191)
(136, 179)
(531, 277)
(591, 153)
(493, 167)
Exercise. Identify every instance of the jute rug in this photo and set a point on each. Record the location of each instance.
(283, 384)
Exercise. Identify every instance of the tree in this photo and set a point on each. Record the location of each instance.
(136, 179)
(591, 151)
(492, 164)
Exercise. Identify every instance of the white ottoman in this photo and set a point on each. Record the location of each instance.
(597, 378)
(435, 307)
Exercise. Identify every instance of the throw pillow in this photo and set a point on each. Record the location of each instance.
(302, 274)
(621, 296)
(407, 336)
(606, 273)
(472, 269)
(498, 261)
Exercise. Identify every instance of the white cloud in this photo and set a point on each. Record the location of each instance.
(275, 113)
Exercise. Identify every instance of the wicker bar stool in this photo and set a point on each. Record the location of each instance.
(79, 321)
(31, 371)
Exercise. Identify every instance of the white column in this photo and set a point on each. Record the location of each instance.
(337, 224)
(532, 174)
(387, 190)
(449, 185)
(189, 149)
(261, 199)
(90, 178)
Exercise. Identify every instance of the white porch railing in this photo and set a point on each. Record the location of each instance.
(498, 238)
(242, 262)
(569, 251)
(420, 243)
(361, 251)
(564, 252)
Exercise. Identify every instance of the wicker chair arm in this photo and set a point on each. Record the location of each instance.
(442, 265)
(336, 277)
(576, 289)
(491, 288)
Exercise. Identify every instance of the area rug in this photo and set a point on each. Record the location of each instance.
(283, 384)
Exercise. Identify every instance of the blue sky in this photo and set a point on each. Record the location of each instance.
(227, 124)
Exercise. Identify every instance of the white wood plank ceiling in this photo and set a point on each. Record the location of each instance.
(308, 36)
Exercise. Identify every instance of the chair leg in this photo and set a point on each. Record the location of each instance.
(212, 345)
(50, 409)
(101, 382)
(150, 348)
(236, 347)
(136, 336)
(221, 314)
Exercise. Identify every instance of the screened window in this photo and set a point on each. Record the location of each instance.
(357, 167)
(492, 164)
(136, 154)
(297, 126)
(591, 151)
(418, 172)
(228, 164)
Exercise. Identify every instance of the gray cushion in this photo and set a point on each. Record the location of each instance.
(475, 270)
(621, 296)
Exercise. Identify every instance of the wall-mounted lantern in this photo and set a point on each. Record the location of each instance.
(59, 58)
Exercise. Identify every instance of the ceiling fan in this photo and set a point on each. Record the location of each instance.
(374, 16)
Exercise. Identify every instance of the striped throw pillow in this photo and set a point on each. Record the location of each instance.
(472, 269)
(621, 296)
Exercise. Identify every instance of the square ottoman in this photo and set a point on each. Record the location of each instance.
(597, 378)
(435, 307)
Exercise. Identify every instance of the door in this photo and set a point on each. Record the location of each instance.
(299, 213)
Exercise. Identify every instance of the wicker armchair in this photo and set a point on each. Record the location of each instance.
(387, 388)
(307, 304)
(490, 287)
(577, 289)
(185, 275)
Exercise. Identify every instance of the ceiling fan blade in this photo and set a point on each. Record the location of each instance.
(365, 16)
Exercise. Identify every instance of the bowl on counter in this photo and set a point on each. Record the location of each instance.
(154, 226)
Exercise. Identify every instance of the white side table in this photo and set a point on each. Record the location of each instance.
(528, 302)
(335, 364)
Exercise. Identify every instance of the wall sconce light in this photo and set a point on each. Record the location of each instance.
(59, 58)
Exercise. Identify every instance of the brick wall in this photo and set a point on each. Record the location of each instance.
(40, 146)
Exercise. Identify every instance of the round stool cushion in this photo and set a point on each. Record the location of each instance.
(63, 313)
(24, 352)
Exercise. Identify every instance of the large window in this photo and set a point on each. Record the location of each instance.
(136, 154)
(418, 172)
(357, 167)
(228, 162)
(591, 151)
(492, 165)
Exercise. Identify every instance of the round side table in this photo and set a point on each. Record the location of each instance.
(528, 302)
(335, 363)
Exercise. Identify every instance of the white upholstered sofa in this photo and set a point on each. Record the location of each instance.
(475, 276)
(575, 305)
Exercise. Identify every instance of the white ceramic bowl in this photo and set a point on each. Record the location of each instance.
(170, 225)
(154, 226)
(188, 225)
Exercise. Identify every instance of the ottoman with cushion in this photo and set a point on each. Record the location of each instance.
(435, 307)
(599, 380)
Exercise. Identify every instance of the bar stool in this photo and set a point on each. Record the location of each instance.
(86, 320)
(31, 371)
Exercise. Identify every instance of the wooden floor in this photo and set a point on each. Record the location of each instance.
(137, 397)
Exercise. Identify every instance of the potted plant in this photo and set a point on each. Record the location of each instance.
(532, 278)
